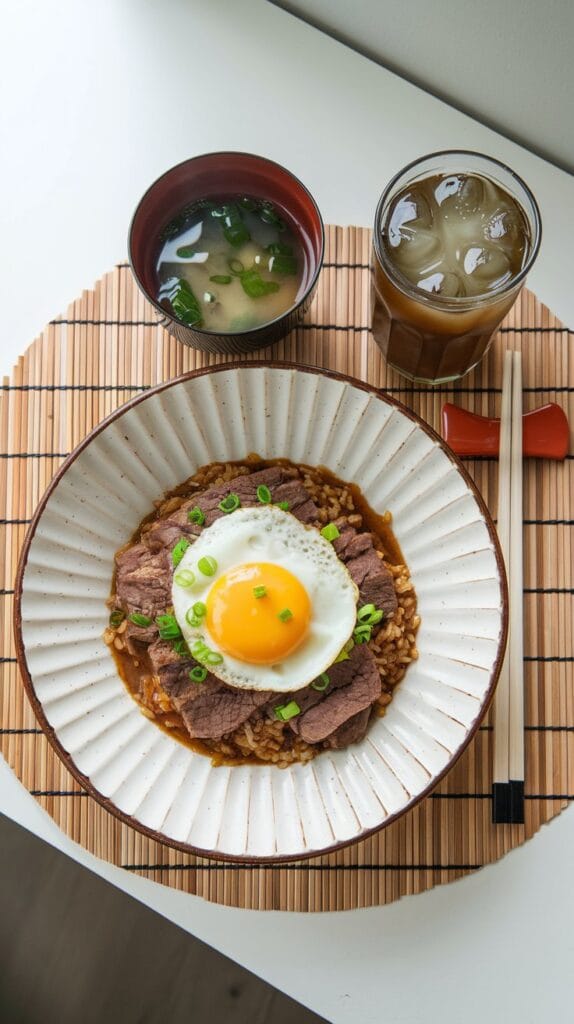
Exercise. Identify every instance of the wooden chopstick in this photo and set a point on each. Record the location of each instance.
(508, 769)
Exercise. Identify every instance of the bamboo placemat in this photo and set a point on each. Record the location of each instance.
(106, 349)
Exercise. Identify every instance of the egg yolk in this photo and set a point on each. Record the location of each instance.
(258, 629)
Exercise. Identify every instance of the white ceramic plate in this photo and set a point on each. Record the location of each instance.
(95, 503)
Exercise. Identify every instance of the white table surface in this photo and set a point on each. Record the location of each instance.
(98, 99)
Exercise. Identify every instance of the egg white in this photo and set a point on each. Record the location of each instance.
(268, 534)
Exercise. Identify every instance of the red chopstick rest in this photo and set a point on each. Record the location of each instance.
(545, 433)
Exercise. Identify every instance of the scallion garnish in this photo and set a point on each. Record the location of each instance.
(195, 515)
(321, 683)
(283, 505)
(179, 550)
(213, 658)
(116, 618)
(344, 654)
(236, 266)
(285, 614)
(260, 591)
(207, 565)
(255, 286)
(369, 614)
(286, 711)
(185, 578)
(185, 252)
(263, 494)
(362, 634)
(139, 620)
(220, 278)
(330, 532)
(192, 619)
(198, 674)
(199, 609)
(168, 627)
(180, 647)
(230, 503)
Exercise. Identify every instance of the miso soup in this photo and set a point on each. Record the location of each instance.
(229, 264)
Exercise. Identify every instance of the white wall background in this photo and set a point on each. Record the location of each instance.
(508, 63)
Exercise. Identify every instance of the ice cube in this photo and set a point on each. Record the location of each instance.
(447, 283)
(505, 228)
(409, 215)
(486, 267)
(459, 196)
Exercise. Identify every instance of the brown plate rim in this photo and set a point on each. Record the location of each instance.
(50, 732)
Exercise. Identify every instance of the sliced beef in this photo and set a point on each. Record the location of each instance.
(165, 533)
(278, 479)
(215, 712)
(351, 731)
(143, 580)
(137, 638)
(300, 504)
(375, 582)
(342, 702)
(351, 544)
(209, 709)
(182, 690)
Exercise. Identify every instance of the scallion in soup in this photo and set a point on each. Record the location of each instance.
(229, 264)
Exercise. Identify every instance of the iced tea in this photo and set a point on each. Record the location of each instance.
(454, 237)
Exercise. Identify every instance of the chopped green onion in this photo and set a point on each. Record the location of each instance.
(279, 249)
(184, 303)
(236, 266)
(364, 613)
(207, 565)
(330, 532)
(285, 614)
(369, 614)
(260, 591)
(321, 683)
(192, 619)
(168, 627)
(199, 648)
(220, 279)
(286, 711)
(362, 634)
(230, 503)
(116, 618)
(185, 252)
(237, 234)
(199, 609)
(283, 264)
(283, 505)
(180, 647)
(344, 654)
(198, 674)
(185, 578)
(263, 494)
(195, 515)
(139, 620)
(179, 551)
(255, 286)
(213, 658)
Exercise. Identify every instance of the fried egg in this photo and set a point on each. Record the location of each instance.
(276, 606)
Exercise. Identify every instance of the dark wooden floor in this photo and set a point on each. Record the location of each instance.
(74, 950)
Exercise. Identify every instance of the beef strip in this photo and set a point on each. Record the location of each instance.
(215, 712)
(375, 582)
(165, 533)
(351, 731)
(143, 580)
(137, 638)
(342, 702)
(209, 709)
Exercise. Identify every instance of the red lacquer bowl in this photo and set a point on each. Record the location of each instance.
(211, 176)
